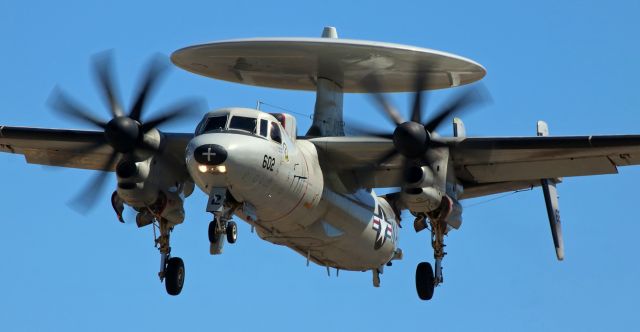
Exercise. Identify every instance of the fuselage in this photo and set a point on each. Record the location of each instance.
(280, 186)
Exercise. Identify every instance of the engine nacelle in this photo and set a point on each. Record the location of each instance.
(419, 194)
(169, 205)
(423, 200)
(152, 140)
(133, 187)
(418, 177)
(129, 171)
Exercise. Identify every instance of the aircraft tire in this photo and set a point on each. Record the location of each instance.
(214, 237)
(232, 232)
(174, 276)
(424, 281)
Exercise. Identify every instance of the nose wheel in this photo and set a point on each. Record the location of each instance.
(219, 229)
(214, 231)
(232, 232)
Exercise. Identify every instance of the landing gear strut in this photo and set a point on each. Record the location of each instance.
(438, 230)
(426, 277)
(172, 270)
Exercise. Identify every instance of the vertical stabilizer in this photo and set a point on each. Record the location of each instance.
(327, 114)
(458, 128)
(551, 201)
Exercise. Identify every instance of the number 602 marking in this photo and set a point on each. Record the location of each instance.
(268, 162)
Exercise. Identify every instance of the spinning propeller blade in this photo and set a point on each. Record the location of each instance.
(65, 106)
(87, 197)
(461, 102)
(103, 71)
(179, 111)
(123, 133)
(412, 139)
(372, 85)
(155, 69)
(416, 112)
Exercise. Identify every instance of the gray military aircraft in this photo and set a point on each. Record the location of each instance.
(313, 193)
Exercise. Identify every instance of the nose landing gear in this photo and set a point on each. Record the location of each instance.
(222, 226)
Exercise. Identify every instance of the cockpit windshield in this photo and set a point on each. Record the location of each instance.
(215, 123)
(243, 123)
(222, 123)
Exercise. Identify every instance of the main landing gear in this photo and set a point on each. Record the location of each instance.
(172, 270)
(426, 277)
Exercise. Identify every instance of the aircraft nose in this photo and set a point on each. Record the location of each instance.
(210, 154)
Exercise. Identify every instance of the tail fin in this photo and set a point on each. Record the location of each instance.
(458, 128)
(551, 200)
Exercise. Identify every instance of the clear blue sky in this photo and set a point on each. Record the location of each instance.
(572, 63)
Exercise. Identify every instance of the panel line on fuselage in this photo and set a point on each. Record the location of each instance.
(306, 186)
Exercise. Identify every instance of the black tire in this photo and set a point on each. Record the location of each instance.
(174, 276)
(232, 232)
(424, 281)
(214, 237)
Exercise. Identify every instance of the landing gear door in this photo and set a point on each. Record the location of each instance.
(217, 197)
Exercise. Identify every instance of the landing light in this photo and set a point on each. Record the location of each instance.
(212, 169)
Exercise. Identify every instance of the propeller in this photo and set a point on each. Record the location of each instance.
(413, 138)
(123, 132)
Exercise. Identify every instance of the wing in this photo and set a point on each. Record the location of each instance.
(496, 164)
(64, 147)
(490, 165)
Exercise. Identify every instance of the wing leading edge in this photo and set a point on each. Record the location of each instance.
(65, 147)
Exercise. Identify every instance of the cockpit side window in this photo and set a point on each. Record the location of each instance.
(214, 123)
(243, 123)
(276, 136)
(264, 127)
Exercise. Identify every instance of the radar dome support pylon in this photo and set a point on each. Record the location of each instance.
(327, 113)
